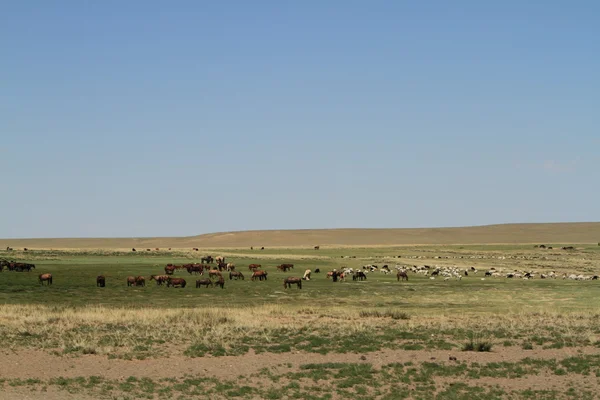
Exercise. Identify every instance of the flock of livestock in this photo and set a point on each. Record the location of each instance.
(213, 269)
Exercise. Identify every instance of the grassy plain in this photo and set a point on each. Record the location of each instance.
(544, 334)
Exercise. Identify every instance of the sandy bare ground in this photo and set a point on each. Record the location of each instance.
(36, 364)
(583, 232)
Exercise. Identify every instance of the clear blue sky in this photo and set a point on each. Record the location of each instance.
(159, 118)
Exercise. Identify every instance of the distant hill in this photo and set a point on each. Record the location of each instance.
(580, 232)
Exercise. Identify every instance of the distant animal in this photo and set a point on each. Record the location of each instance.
(156, 249)
(306, 276)
(219, 259)
(148, 250)
(359, 276)
(251, 248)
(259, 274)
(100, 281)
(195, 249)
(203, 282)
(568, 248)
(131, 281)
(253, 267)
(214, 272)
(45, 278)
(317, 270)
(291, 280)
(160, 279)
(25, 249)
(140, 281)
(207, 259)
(176, 282)
(402, 275)
(220, 282)
(170, 269)
(285, 267)
(236, 274)
(133, 250)
(262, 248)
(317, 247)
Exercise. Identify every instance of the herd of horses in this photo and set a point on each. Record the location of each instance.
(215, 274)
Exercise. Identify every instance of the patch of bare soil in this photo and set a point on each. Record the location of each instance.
(38, 364)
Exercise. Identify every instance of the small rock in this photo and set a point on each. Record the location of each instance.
(452, 358)
(363, 358)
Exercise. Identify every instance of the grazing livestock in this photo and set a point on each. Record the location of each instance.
(259, 274)
(214, 272)
(402, 275)
(220, 282)
(170, 269)
(359, 276)
(317, 247)
(131, 281)
(176, 282)
(207, 259)
(160, 279)
(206, 282)
(45, 278)
(306, 276)
(262, 248)
(133, 250)
(317, 271)
(291, 280)
(219, 259)
(140, 281)
(100, 281)
(254, 267)
(285, 267)
(236, 274)
(568, 248)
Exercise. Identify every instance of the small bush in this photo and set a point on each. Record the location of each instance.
(477, 344)
(527, 346)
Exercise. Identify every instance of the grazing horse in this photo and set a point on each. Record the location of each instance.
(207, 259)
(100, 281)
(160, 279)
(236, 274)
(306, 276)
(45, 277)
(204, 282)
(254, 267)
(219, 259)
(260, 274)
(402, 275)
(214, 272)
(133, 250)
(290, 280)
(176, 282)
(230, 266)
(220, 282)
(131, 281)
(359, 276)
(222, 266)
(170, 269)
(317, 271)
(317, 247)
(140, 281)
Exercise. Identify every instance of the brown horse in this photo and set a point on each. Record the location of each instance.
(220, 282)
(131, 281)
(290, 280)
(206, 282)
(176, 282)
(236, 274)
(254, 267)
(214, 272)
(285, 267)
(100, 281)
(170, 269)
(402, 275)
(317, 247)
(260, 274)
(45, 278)
(160, 279)
(140, 281)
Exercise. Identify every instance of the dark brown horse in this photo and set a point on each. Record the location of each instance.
(170, 269)
(203, 282)
(140, 281)
(176, 282)
(402, 275)
(236, 274)
(291, 280)
(220, 282)
(45, 278)
(285, 267)
(100, 281)
(259, 274)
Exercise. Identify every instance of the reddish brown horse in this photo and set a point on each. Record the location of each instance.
(140, 281)
(100, 281)
(291, 280)
(260, 275)
(170, 269)
(45, 278)
(285, 267)
(131, 281)
(176, 282)
(206, 282)
(214, 272)
(254, 267)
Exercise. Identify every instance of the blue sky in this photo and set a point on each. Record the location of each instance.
(156, 118)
